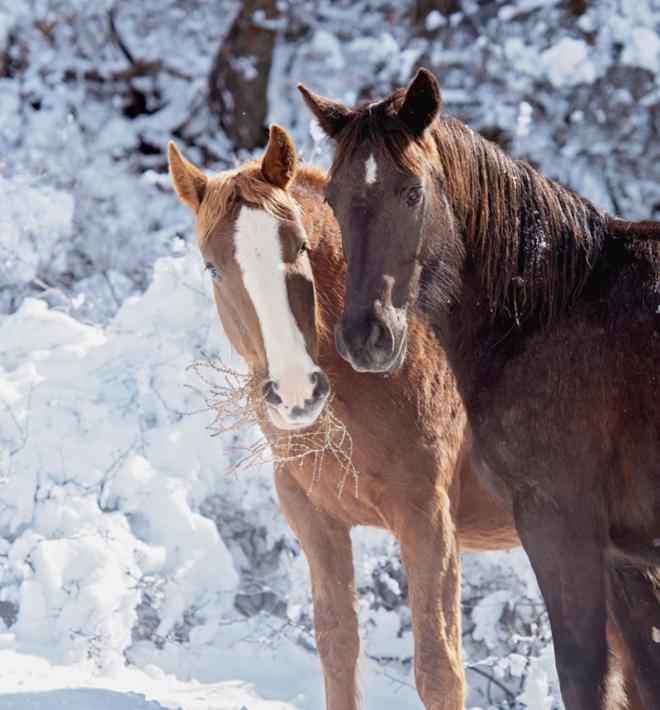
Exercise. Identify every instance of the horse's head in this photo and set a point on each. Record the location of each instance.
(384, 190)
(255, 250)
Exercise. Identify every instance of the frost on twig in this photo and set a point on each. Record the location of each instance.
(232, 397)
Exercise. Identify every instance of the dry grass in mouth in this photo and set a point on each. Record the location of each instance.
(234, 400)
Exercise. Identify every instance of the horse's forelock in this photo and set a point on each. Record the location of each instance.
(378, 124)
(245, 183)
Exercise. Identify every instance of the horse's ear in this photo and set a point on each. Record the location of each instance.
(189, 181)
(279, 162)
(421, 103)
(332, 116)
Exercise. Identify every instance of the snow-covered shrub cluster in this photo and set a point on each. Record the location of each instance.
(122, 538)
(571, 86)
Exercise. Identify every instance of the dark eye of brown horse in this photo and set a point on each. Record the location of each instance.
(414, 196)
(215, 273)
(302, 249)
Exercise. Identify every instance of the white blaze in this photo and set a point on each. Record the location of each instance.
(370, 170)
(259, 256)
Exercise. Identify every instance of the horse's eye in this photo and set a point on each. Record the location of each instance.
(414, 195)
(302, 249)
(215, 274)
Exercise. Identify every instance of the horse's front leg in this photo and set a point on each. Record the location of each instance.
(635, 601)
(327, 547)
(430, 557)
(567, 554)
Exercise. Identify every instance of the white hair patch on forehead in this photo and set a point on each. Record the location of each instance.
(259, 255)
(370, 170)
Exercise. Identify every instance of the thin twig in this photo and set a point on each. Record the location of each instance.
(494, 680)
(117, 37)
(232, 396)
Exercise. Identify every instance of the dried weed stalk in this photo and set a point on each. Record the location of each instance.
(233, 398)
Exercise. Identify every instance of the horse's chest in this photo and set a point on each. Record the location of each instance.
(539, 422)
(337, 492)
(503, 445)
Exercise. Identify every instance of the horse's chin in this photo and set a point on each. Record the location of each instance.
(278, 421)
(381, 364)
(399, 354)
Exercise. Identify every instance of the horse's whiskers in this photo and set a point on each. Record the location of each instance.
(234, 399)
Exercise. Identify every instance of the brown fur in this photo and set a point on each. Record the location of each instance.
(411, 449)
(548, 311)
(516, 218)
(244, 184)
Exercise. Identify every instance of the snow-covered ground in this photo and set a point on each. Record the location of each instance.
(134, 573)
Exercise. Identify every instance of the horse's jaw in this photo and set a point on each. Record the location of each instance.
(278, 421)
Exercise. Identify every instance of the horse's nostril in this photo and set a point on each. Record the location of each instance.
(269, 393)
(321, 386)
(380, 337)
(375, 335)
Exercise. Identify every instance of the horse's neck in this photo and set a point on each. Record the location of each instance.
(466, 335)
(530, 247)
(325, 254)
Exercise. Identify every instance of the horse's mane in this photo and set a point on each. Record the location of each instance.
(533, 242)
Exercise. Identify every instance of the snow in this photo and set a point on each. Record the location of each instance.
(31, 683)
(78, 699)
(134, 573)
(434, 20)
(34, 219)
(643, 50)
(490, 607)
(525, 113)
(539, 680)
(567, 63)
(103, 511)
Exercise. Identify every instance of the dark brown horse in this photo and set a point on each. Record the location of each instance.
(549, 311)
(273, 250)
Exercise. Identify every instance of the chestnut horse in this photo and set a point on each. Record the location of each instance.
(273, 250)
(549, 312)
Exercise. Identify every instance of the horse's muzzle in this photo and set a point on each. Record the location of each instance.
(372, 342)
(296, 402)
